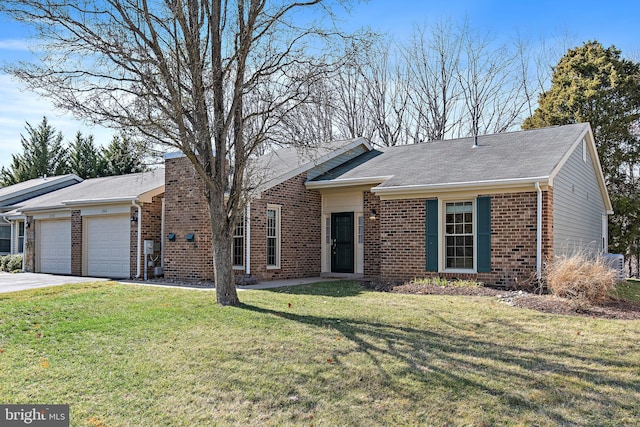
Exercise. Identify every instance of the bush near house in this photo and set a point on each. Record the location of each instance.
(580, 277)
(11, 263)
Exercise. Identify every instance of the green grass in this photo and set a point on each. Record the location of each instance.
(324, 355)
(629, 290)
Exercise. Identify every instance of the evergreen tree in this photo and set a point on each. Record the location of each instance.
(122, 156)
(43, 154)
(596, 85)
(84, 158)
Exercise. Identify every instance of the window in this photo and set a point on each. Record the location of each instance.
(5, 239)
(360, 229)
(459, 235)
(273, 236)
(237, 248)
(20, 248)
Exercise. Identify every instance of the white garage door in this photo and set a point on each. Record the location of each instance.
(54, 242)
(108, 243)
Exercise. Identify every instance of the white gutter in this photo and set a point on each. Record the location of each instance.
(494, 183)
(539, 234)
(247, 243)
(162, 237)
(133, 202)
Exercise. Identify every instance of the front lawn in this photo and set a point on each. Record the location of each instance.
(324, 355)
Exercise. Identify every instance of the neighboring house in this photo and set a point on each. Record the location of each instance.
(494, 211)
(13, 196)
(94, 228)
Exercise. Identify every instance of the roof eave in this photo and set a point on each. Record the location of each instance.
(313, 163)
(499, 184)
(42, 185)
(338, 183)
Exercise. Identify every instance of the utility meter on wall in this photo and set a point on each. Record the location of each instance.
(148, 247)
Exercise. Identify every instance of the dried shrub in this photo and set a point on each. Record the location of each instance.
(14, 263)
(581, 278)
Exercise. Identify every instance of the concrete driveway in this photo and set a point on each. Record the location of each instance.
(22, 281)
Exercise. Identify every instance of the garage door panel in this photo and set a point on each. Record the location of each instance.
(54, 238)
(108, 246)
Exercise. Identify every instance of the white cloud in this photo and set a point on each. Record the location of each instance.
(15, 44)
(18, 106)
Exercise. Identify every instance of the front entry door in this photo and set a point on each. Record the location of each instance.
(342, 247)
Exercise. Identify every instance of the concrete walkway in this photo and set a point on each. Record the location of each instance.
(13, 282)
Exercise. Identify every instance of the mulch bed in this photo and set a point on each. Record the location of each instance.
(612, 309)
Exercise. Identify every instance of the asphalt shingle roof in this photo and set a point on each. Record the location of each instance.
(12, 191)
(524, 154)
(128, 186)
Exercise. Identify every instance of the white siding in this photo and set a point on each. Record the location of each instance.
(578, 205)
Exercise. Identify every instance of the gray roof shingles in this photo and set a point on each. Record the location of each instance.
(514, 155)
(128, 186)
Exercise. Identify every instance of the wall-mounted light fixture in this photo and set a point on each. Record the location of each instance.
(134, 218)
(27, 224)
(373, 215)
(191, 237)
(171, 237)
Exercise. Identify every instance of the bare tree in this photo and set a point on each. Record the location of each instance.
(493, 95)
(180, 72)
(433, 57)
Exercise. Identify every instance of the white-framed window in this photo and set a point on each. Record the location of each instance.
(20, 243)
(237, 245)
(360, 229)
(459, 240)
(273, 236)
(5, 239)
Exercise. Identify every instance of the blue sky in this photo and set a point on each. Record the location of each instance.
(610, 22)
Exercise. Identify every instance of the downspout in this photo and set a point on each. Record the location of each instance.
(133, 202)
(24, 242)
(539, 234)
(247, 243)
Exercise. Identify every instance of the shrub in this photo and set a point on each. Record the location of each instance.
(14, 264)
(580, 277)
(3, 262)
(439, 281)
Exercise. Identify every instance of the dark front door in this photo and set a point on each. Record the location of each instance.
(342, 242)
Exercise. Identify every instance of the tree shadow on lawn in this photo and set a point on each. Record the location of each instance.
(335, 289)
(467, 365)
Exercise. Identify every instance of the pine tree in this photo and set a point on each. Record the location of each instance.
(122, 156)
(596, 85)
(84, 158)
(43, 154)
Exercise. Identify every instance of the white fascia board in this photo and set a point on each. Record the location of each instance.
(336, 183)
(310, 165)
(88, 202)
(459, 186)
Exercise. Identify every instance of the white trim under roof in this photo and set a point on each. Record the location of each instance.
(333, 183)
(317, 162)
(458, 186)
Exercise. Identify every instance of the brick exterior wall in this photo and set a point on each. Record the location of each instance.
(513, 239)
(151, 230)
(186, 211)
(371, 247)
(76, 243)
(301, 231)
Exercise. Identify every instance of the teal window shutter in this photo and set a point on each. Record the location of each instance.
(483, 221)
(431, 231)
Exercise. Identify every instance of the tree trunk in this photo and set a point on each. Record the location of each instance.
(222, 267)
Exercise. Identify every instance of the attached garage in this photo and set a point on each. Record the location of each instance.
(54, 246)
(108, 247)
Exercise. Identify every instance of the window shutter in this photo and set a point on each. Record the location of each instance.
(431, 231)
(483, 206)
